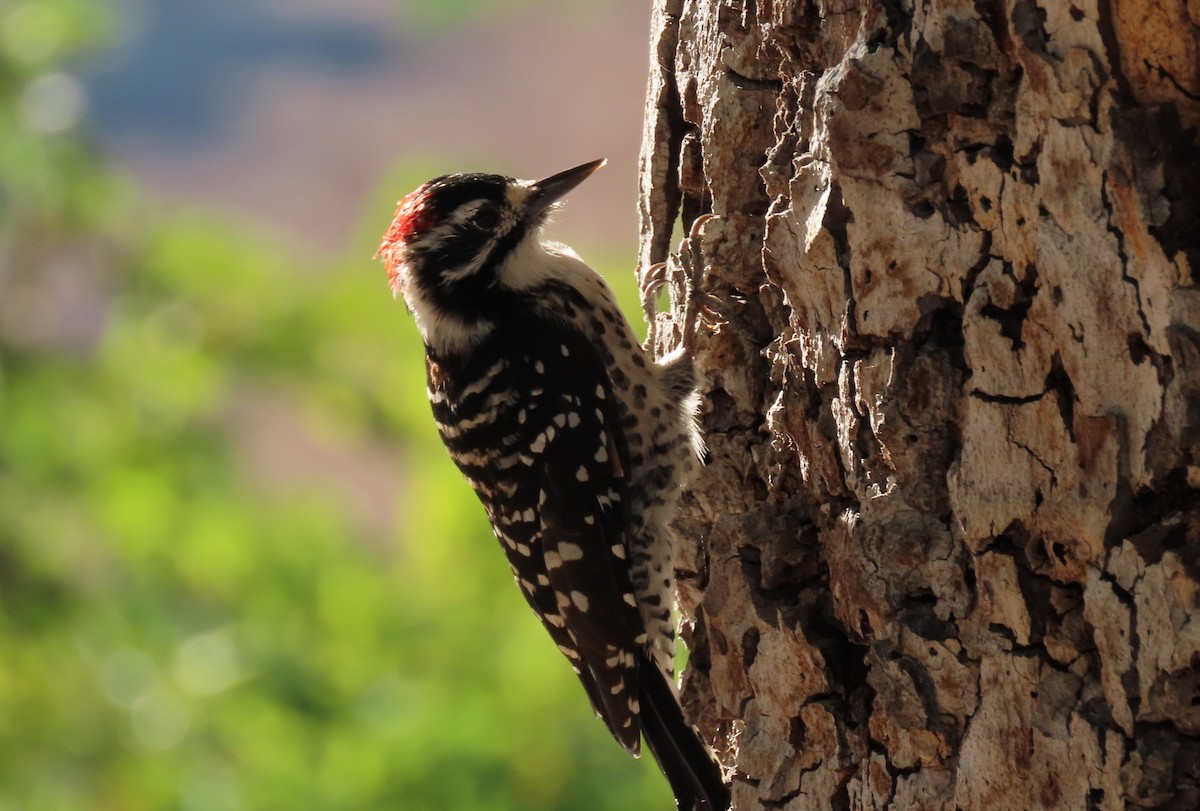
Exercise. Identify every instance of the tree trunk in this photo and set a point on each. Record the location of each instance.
(947, 550)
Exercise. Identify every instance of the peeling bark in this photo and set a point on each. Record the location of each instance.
(947, 550)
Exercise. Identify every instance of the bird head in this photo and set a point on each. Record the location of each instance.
(452, 237)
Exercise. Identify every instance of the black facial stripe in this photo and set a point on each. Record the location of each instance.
(456, 249)
(503, 249)
(474, 296)
(459, 246)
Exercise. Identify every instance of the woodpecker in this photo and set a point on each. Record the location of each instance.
(576, 440)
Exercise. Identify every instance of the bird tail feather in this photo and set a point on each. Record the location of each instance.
(693, 773)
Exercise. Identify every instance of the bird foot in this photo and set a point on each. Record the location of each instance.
(684, 273)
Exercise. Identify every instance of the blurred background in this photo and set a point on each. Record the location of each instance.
(237, 570)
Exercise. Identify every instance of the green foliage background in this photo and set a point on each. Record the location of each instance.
(172, 634)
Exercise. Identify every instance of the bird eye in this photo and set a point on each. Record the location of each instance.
(487, 218)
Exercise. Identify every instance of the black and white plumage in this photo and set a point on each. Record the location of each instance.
(576, 441)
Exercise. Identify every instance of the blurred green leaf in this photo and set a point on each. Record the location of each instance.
(199, 606)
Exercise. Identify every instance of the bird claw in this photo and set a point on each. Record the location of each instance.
(684, 272)
(652, 283)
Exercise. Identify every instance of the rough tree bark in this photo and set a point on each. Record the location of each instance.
(947, 551)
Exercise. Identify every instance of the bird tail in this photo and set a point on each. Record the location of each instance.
(689, 767)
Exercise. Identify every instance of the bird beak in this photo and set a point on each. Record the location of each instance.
(546, 193)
